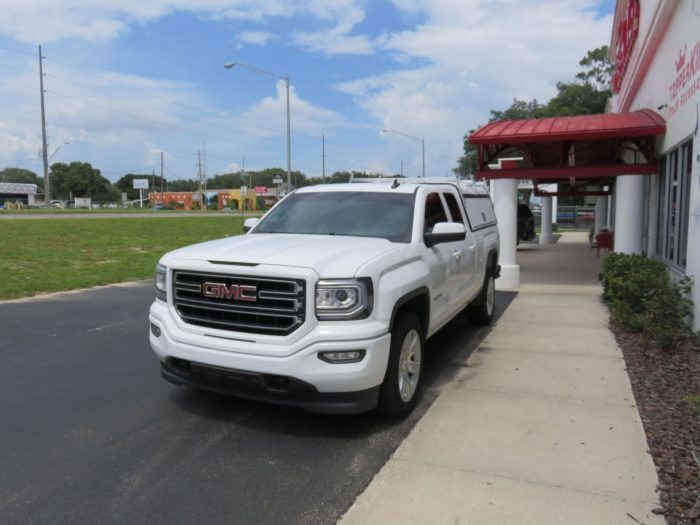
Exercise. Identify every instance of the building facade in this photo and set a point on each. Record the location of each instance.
(656, 48)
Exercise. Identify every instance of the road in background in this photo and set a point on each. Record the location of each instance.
(90, 433)
(130, 215)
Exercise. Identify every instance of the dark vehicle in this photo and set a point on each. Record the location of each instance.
(526, 223)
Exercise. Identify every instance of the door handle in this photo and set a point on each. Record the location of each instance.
(472, 247)
(457, 254)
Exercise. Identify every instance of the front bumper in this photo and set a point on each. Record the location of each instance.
(280, 390)
(286, 374)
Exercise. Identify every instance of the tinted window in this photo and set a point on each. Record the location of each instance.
(479, 211)
(454, 208)
(359, 214)
(434, 211)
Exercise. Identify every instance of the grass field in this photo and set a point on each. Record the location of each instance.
(47, 256)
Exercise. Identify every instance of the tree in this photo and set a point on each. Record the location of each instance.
(183, 185)
(80, 179)
(466, 165)
(126, 184)
(576, 99)
(519, 109)
(21, 176)
(599, 68)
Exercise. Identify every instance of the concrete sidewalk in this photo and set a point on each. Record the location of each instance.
(540, 428)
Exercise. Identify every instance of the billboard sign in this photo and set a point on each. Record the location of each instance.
(140, 184)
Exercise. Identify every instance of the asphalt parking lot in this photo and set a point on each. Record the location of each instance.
(91, 434)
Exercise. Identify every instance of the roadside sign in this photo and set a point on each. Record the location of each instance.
(140, 184)
(277, 179)
(124, 196)
(244, 191)
(260, 189)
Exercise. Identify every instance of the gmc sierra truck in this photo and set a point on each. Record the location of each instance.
(326, 303)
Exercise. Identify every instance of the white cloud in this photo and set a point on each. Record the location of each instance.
(305, 117)
(479, 55)
(103, 20)
(259, 38)
(338, 40)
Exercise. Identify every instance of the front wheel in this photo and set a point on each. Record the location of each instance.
(401, 386)
(482, 310)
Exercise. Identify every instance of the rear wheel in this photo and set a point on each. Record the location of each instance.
(401, 386)
(481, 310)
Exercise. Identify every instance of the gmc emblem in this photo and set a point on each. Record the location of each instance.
(235, 292)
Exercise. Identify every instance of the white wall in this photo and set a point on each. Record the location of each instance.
(678, 104)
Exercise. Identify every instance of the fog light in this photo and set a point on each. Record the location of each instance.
(155, 330)
(346, 356)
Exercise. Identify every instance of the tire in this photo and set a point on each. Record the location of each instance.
(481, 311)
(402, 381)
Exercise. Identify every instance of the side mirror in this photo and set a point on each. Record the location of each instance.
(445, 232)
(248, 224)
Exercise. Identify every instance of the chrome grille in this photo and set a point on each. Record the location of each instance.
(279, 308)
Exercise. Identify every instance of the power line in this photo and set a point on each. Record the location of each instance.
(116, 97)
(16, 85)
(151, 121)
(17, 51)
(5, 66)
(149, 94)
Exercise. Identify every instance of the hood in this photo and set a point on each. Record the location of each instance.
(329, 256)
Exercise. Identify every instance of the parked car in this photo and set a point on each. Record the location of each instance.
(526, 223)
(327, 302)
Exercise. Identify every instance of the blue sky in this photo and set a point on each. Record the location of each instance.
(128, 79)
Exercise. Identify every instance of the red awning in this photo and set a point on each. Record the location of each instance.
(640, 123)
(579, 149)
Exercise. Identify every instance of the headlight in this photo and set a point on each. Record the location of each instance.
(161, 286)
(344, 299)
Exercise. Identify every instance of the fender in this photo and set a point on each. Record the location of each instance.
(423, 317)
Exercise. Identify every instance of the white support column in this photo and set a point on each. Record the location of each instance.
(555, 203)
(601, 213)
(629, 213)
(546, 221)
(506, 208)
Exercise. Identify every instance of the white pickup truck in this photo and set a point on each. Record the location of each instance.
(326, 303)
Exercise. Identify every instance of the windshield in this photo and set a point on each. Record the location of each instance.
(361, 214)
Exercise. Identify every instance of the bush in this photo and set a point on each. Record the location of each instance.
(642, 300)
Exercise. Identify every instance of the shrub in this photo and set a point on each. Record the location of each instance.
(642, 300)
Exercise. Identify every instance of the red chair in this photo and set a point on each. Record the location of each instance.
(605, 241)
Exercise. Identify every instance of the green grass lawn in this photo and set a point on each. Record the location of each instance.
(53, 255)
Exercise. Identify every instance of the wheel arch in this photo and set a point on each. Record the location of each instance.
(418, 303)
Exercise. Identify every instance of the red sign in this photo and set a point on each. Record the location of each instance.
(627, 31)
(260, 189)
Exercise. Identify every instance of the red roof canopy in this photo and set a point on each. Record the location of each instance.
(644, 122)
(576, 149)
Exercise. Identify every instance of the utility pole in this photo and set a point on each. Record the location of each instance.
(199, 177)
(44, 149)
(161, 175)
(153, 183)
(402, 167)
(323, 173)
(204, 165)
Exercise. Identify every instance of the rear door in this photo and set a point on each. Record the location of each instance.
(464, 252)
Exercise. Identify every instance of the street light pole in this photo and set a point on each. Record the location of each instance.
(44, 147)
(417, 139)
(56, 150)
(285, 79)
